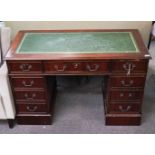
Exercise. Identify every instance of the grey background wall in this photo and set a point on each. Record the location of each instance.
(143, 26)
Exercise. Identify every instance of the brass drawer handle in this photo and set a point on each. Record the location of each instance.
(129, 67)
(30, 98)
(76, 65)
(124, 109)
(95, 68)
(130, 95)
(31, 109)
(28, 84)
(121, 94)
(25, 67)
(60, 69)
(125, 84)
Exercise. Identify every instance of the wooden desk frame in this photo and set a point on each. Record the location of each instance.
(29, 76)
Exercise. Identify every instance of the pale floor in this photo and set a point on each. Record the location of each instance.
(75, 111)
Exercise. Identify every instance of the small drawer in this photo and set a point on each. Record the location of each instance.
(124, 108)
(127, 82)
(128, 67)
(79, 66)
(125, 95)
(29, 95)
(28, 82)
(25, 67)
(61, 67)
(31, 108)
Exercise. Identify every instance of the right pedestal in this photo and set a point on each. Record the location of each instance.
(124, 92)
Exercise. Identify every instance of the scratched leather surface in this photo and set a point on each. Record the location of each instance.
(78, 42)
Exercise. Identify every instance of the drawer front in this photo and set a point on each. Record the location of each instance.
(29, 95)
(25, 67)
(64, 67)
(129, 67)
(28, 82)
(124, 108)
(31, 108)
(127, 82)
(125, 95)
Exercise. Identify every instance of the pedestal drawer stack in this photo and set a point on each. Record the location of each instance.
(125, 92)
(31, 92)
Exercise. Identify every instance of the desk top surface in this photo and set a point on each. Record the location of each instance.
(81, 42)
(76, 43)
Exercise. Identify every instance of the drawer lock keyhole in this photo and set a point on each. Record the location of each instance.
(129, 67)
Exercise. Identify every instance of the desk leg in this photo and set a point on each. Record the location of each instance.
(11, 123)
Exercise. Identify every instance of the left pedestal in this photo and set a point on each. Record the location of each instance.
(33, 92)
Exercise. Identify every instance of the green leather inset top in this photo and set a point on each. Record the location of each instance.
(78, 42)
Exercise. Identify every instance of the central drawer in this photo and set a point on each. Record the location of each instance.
(77, 66)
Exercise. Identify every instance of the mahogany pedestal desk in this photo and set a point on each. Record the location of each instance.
(36, 57)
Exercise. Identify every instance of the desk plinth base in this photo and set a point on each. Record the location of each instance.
(122, 119)
(34, 119)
